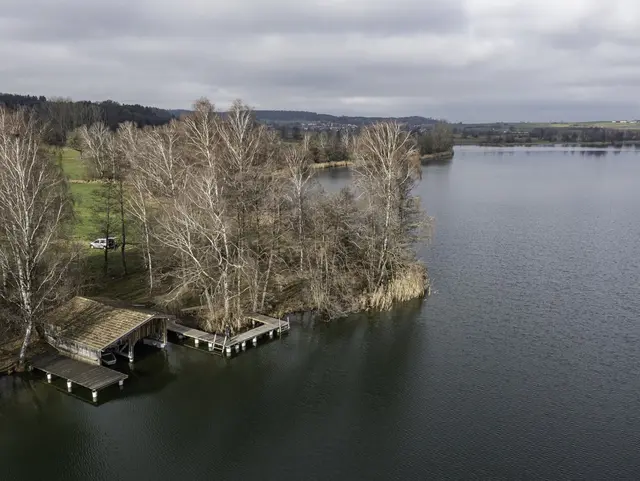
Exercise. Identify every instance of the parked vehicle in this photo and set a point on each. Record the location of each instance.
(103, 243)
(108, 358)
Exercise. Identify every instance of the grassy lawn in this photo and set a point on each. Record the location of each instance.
(116, 285)
(72, 165)
(86, 226)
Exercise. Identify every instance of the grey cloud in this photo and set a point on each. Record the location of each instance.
(71, 19)
(462, 60)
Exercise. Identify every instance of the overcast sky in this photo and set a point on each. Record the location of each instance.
(463, 60)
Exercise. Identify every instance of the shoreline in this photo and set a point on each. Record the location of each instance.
(438, 157)
(424, 159)
(551, 144)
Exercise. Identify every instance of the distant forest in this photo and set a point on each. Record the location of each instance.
(64, 115)
(525, 134)
(284, 116)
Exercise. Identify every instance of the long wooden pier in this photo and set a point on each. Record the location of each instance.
(221, 344)
(83, 374)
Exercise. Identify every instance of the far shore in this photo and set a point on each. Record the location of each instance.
(425, 159)
(543, 143)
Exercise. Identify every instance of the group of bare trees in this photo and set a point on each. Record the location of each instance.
(224, 215)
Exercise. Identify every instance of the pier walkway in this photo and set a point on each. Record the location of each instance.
(90, 376)
(217, 343)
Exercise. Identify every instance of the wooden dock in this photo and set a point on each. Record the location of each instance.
(215, 342)
(81, 373)
(221, 344)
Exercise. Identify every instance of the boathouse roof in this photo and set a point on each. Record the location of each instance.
(97, 323)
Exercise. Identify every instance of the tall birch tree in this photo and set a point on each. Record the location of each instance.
(33, 205)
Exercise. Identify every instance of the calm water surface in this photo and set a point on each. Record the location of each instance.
(524, 364)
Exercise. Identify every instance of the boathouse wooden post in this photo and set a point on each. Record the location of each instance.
(164, 332)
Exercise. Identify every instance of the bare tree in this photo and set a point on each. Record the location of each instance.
(386, 165)
(139, 204)
(160, 158)
(298, 176)
(124, 151)
(194, 227)
(95, 145)
(346, 139)
(101, 153)
(307, 141)
(323, 145)
(334, 255)
(218, 219)
(244, 163)
(208, 193)
(33, 205)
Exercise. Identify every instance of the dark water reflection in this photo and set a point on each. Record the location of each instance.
(524, 364)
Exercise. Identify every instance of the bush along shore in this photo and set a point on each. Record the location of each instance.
(426, 159)
(209, 210)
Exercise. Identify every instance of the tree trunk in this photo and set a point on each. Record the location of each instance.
(147, 241)
(300, 230)
(124, 231)
(225, 276)
(25, 344)
(255, 290)
(238, 293)
(266, 280)
(274, 238)
(385, 244)
(107, 230)
(225, 294)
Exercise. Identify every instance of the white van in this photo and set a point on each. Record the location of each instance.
(103, 243)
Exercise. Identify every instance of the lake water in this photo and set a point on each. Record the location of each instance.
(524, 363)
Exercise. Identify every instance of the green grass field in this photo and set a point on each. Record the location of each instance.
(116, 285)
(86, 226)
(72, 166)
(84, 197)
(82, 193)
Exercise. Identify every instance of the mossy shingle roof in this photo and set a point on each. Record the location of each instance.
(96, 323)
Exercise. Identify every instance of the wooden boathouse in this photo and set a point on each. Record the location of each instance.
(84, 328)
